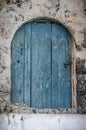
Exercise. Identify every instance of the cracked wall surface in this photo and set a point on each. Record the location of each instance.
(70, 13)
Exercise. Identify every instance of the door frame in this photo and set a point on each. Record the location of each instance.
(73, 58)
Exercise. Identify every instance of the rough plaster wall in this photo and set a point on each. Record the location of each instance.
(12, 16)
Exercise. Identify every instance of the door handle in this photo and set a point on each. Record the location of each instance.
(67, 63)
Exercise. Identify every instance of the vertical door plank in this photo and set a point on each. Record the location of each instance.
(61, 84)
(66, 94)
(56, 50)
(27, 65)
(18, 66)
(41, 65)
(67, 79)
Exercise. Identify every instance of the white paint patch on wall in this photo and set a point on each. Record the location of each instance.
(42, 122)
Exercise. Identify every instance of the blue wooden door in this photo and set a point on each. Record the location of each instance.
(41, 69)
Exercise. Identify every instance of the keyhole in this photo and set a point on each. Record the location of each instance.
(18, 61)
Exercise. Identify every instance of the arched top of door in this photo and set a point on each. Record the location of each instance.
(41, 20)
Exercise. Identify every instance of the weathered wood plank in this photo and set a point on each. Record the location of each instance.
(61, 82)
(41, 63)
(18, 66)
(27, 63)
(55, 67)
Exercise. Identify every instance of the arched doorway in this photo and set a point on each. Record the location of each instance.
(41, 65)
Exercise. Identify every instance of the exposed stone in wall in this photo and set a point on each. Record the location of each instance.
(81, 85)
(84, 42)
(84, 1)
(17, 2)
(22, 108)
(2, 3)
(81, 66)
